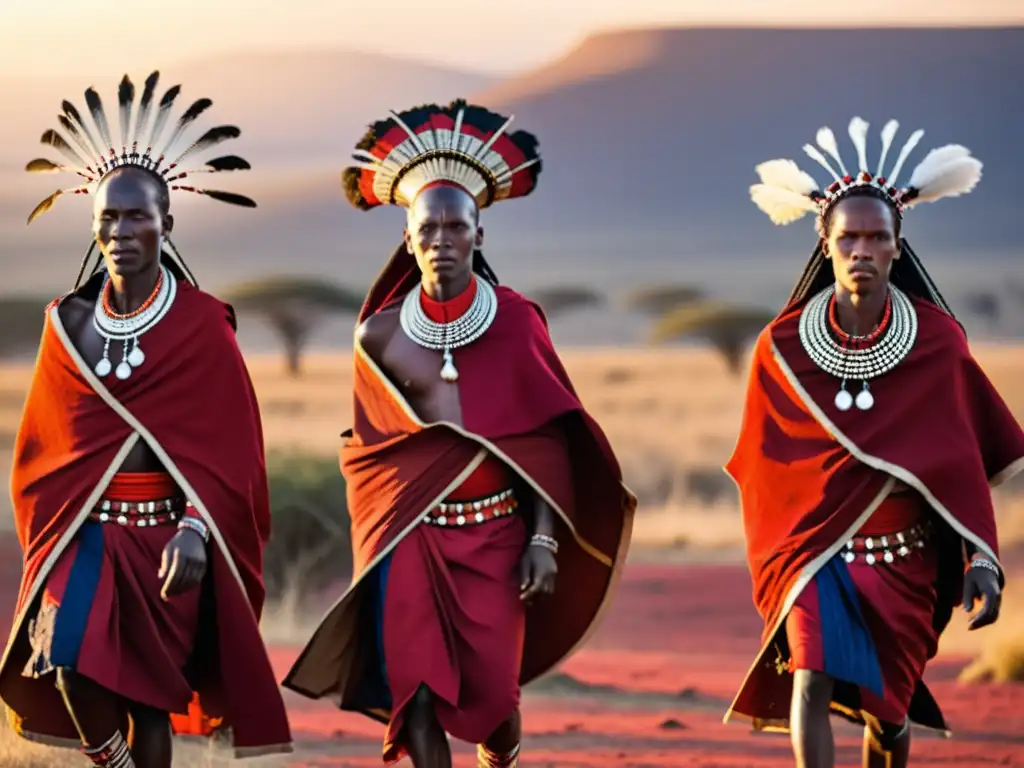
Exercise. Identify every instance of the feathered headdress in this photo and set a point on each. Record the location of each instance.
(460, 145)
(786, 193)
(97, 155)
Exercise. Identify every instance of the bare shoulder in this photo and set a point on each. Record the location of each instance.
(377, 330)
(75, 312)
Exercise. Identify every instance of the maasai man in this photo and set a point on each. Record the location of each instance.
(139, 482)
(471, 464)
(868, 446)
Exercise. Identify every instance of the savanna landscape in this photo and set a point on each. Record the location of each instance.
(651, 686)
(654, 287)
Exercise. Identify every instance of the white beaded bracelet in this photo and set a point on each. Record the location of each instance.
(984, 562)
(548, 542)
(196, 525)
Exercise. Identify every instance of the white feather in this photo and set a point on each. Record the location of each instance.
(915, 137)
(957, 177)
(859, 136)
(888, 134)
(934, 162)
(819, 158)
(827, 141)
(786, 174)
(781, 205)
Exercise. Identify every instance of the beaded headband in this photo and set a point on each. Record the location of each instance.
(786, 193)
(459, 145)
(93, 159)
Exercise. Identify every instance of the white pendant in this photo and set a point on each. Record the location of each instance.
(448, 371)
(103, 367)
(865, 400)
(136, 356)
(843, 400)
(123, 370)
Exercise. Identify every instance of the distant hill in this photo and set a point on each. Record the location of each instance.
(663, 128)
(649, 139)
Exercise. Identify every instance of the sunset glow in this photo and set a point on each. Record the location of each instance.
(100, 36)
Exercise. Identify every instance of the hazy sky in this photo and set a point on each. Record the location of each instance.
(60, 36)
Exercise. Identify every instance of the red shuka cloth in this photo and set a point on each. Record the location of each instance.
(513, 389)
(897, 601)
(808, 474)
(193, 403)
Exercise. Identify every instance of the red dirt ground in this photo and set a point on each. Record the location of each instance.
(650, 688)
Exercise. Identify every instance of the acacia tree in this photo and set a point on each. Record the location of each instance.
(559, 299)
(294, 307)
(658, 299)
(728, 328)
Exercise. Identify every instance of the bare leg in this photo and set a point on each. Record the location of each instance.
(151, 737)
(501, 750)
(811, 731)
(94, 711)
(425, 740)
(890, 749)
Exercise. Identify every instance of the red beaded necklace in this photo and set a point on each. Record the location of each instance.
(108, 300)
(858, 342)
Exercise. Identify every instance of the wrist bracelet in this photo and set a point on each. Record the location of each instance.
(196, 525)
(547, 542)
(984, 562)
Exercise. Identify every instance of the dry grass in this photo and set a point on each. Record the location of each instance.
(671, 415)
(998, 663)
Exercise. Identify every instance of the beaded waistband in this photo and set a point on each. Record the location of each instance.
(472, 512)
(886, 548)
(140, 499)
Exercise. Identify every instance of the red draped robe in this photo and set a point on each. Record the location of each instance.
(193, 404)
(810, 476)
(517, 405)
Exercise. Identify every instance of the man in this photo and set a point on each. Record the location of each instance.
(474, 475)
(869, 442)
(139, 482)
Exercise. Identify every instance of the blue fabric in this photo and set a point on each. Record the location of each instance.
(849, 649)
(76, 604)
(382, 587)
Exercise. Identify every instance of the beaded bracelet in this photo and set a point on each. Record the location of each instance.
(984, 562)
(548, 542)
(195, 524)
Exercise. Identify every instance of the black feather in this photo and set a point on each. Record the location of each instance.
(55, 140)
(198, 107)
(230, 197)
(210, 138)
(190, 114)
(144, 105)
(125, 97)
(71, 111)
(163, 113)
(228, 163)
(95, 104)
(68, 126)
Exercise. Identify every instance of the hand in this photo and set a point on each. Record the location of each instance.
(183, 564)
(982, 584)
(539, 569)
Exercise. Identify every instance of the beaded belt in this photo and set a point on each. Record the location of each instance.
(139, 513)
(871, 549)
(472, 512)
